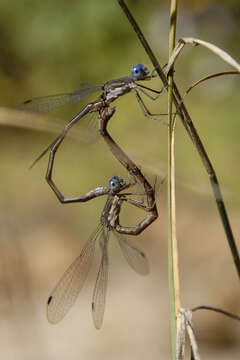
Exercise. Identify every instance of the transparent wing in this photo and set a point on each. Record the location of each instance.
(134, 256)
(67, 289)
(48, 103)
(87, 130)
(99, 293)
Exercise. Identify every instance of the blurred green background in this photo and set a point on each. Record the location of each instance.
(50, 47)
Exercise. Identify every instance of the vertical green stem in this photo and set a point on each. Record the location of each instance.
(172, 242)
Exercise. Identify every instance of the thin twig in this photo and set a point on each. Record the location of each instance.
(211, 76)
(213, 308)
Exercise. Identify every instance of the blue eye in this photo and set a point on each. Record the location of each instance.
(139, 72)
(114, 183)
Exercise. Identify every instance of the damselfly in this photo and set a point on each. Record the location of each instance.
(67, 289)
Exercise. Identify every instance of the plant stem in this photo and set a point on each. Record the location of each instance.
(173, 271)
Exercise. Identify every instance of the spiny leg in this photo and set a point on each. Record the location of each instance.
(138, 203)
(158, 92)
(149, 207)
(144, 108)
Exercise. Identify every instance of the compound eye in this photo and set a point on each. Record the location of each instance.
(136, 70)
(139, 72)
(114, 183)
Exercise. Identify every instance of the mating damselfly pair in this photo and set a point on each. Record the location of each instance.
(69, 286)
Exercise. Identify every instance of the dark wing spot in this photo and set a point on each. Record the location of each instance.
(92, 306)
(27, 101)
(49, 300)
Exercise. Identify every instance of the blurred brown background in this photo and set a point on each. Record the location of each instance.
(51, 47)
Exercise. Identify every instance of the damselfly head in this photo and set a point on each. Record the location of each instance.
(115, 184)
(139, 72)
